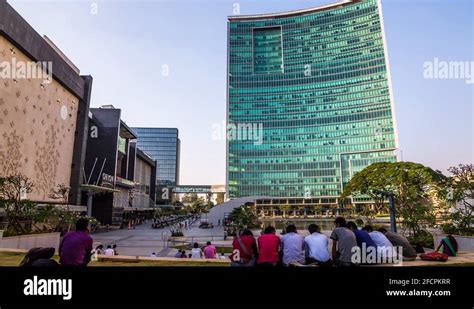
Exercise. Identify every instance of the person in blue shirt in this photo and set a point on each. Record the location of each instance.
(362, 237)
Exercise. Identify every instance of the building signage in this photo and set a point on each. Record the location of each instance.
(107, 180)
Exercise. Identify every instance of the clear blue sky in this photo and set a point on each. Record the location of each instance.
(125, 46)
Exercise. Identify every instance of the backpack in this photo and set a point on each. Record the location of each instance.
(434, 256)
(35, 254)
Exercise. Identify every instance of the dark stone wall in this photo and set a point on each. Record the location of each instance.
(80, 144)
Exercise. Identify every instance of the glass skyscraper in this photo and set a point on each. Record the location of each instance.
(162, 145)
(317, 81)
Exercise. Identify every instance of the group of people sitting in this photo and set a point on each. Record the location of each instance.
(209, 251)
(110, 251)
(293, 249)
(268, 250)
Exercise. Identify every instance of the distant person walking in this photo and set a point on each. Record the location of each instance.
(76, 246)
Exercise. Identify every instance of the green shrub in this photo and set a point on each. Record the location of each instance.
(359, 222)
(423, 238)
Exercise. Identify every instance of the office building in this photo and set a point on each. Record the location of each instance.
(314, 85)
(163, 146)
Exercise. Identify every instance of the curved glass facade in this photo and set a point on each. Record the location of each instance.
(317, 84)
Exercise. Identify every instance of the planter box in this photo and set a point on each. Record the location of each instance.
(465, 243)
(31, 240)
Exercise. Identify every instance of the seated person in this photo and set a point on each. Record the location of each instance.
(316, 247)
(384, 246)
(210, 251)
(397, 240)
(448, 246)
(292, 246)
(361, 235)
(269, 247)
(363, 239)
(343, 242)
(76, 246)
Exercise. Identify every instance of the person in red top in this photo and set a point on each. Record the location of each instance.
(244, 250)
(269, 247)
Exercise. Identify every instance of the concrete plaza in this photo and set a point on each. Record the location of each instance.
(142, 241)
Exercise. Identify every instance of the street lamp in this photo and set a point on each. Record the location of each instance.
(390, 196)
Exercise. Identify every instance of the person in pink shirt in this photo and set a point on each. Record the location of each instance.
(210, 251)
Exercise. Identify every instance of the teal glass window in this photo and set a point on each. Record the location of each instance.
(267, 50)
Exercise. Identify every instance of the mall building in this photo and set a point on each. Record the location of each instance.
(316, 83)
(44, 103)
(119, 182)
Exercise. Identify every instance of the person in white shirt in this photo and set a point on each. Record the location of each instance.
(196, 252)
(109, 251)
(316, 247)
(384, 246)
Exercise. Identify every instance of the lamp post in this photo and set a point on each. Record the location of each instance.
(391, 201)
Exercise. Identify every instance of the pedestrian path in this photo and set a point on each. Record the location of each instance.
(141, 241)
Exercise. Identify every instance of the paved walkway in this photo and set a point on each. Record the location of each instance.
(142, 241)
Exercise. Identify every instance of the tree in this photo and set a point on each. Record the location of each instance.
(17, 208)
(25, 217)
(61, 192)
(410, 183)
(198, 205)
(459, 191)
(190, 198)
(244, 217)
(220, 198)
(209, 200)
